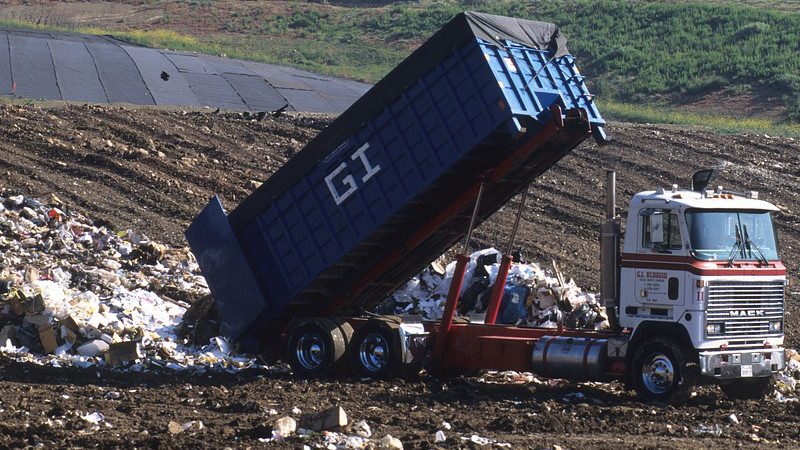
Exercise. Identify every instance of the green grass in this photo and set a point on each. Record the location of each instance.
(721, 123)
(633, 52)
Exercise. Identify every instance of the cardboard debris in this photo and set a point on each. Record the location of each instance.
(95, 288)
(328, 419)
(48, 338)
(92, 348)
(121, 352)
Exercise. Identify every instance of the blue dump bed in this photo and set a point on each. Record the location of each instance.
(390, 184)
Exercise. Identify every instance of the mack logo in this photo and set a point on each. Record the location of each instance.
(747, 313)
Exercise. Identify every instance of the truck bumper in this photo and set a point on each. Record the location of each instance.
(742, 363)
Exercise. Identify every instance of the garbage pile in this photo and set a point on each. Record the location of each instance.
(72, 292)
(531, 296)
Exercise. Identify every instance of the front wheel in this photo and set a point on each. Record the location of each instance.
(748, 388)
(662, 372)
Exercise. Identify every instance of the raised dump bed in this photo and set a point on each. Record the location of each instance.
(390, 184)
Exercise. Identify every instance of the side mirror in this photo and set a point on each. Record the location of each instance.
(657, 228)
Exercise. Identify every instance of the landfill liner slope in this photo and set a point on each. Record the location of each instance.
(152, 170)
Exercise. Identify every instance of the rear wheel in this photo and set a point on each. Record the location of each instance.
(748, 388)
(662, 371)
(316, 348)
(376, 351)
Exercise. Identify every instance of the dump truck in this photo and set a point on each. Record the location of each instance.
(465, 123)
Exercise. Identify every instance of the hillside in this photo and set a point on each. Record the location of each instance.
(739, 59)
(152, 170)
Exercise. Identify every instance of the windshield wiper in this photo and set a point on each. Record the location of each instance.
(748, 243)
(737, 246)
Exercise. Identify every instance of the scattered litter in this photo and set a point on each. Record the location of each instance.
(362, 429)
(174, 428)
(328, 419)
(479, 440)
(389, 442)
(94, 418)
(734, 420)
(531, 296)
(335, 440)
(715, 429)
(74, 293)
(284, 427)
(440, 437)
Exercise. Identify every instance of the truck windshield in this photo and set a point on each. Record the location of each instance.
(732, 235)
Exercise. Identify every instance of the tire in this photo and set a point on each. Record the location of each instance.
(748, 388)
(317, 348)
(663, 372)
(375, 351)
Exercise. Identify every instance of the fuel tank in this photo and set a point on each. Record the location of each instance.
(571, 358)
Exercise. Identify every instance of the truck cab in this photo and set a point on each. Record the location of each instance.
(702, 285)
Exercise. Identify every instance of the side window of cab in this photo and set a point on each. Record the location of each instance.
(660, 230)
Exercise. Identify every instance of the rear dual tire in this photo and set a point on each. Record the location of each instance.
(376, 350)
(318, 348)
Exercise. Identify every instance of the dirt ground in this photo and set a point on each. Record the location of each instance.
(152, 170)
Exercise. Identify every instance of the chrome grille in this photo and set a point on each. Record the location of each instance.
(745, 308)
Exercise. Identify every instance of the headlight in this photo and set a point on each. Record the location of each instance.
(714, 329)
(776, 326)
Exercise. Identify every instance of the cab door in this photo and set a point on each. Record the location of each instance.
(661, 274)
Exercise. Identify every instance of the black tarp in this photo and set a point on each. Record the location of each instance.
(213, 90)
(190, 63)
(306, 100)
(162, 78)
(76, 67)
(75, 72)
(5, 66)
(121, 80)
(32, 68)
(256, 93)
(496, 29)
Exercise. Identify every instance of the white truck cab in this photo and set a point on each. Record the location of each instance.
(700, 275)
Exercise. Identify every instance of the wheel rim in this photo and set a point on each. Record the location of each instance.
(373, 352)
(658, 374)
(310, 351)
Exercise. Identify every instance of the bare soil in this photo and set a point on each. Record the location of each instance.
(152, 170)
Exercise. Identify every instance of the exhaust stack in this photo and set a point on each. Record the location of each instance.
(609, 254)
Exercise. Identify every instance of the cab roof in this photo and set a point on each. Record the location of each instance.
(685, 199)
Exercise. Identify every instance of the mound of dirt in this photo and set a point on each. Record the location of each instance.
(152, 170)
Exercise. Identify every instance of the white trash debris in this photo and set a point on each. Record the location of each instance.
(94, 417)
(440, 436)
(97, 288)
(531, 297)
(389, 442)
(284, 427)
(362, 429)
